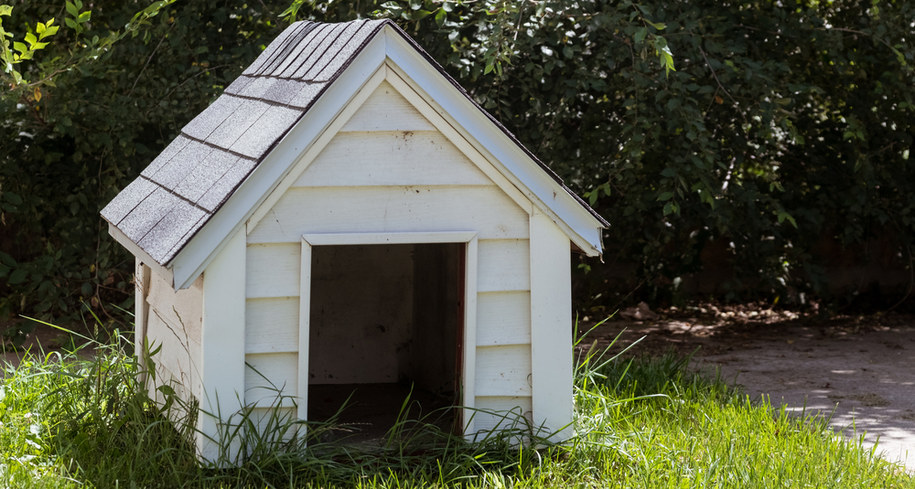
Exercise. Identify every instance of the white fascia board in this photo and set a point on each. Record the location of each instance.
(582, 227)
(202, 248)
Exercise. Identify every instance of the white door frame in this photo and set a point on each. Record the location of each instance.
(470, 302)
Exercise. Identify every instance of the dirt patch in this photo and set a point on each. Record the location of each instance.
(859, 371)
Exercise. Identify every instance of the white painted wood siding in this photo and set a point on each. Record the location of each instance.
(389, 171)
(391, 209)
(551, 327)
(504, 318)
(271, 379)
(502, 412)
(387, 110)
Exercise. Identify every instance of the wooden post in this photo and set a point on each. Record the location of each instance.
(223, 349)
(551, 328)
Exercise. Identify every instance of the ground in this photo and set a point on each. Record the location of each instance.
(858, 370)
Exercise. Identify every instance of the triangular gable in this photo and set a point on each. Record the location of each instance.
(218, 172)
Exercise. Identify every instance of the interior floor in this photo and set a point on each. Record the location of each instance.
(371, 409)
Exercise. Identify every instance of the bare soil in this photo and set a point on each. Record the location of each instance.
(858, 371)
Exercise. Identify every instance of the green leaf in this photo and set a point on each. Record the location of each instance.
(671, 208)
(664, 196)
(21, 47)
(70, 23)
(440, 17)
(6, 10)
(784, 216)
(72, 9)
(17, 277)
(640, 35)
(85, 16)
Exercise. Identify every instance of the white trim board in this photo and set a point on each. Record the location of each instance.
(469, 238)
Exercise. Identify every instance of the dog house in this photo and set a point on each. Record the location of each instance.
(345, 219)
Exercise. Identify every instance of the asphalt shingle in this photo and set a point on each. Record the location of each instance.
(167, 154)
(179, 219)
(207, 121)
(150, 211)
(172, 173)
(214, 197)
(205, 175)
(236, 124)
(266, 131)
(128, 199)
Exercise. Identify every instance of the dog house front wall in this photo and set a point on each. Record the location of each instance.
(393, 175)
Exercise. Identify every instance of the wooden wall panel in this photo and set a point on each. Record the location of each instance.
(272, 325)
(503, 318)
(269, 376)
(275, 424)
(177, 353)
(273, 270)
(484, 209)
(504, 265)
(390, 158)
(503, 371)
(508, 412)
(387, 110)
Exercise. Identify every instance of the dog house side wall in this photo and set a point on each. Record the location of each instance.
(388, 170)
(172, 323)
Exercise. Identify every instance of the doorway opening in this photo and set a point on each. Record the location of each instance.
(386, 322)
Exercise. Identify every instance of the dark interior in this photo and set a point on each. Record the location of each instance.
(386, 323)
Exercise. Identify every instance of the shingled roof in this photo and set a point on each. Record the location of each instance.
(188, 183)
(190, 180)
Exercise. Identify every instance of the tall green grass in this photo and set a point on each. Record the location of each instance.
(77, 420)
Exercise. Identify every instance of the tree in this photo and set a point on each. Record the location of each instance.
(770, 140)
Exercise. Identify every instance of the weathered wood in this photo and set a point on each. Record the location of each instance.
(503, 371)
(390, 158)
(272, 325)
(504, 318)
(176, 353)
(504, 265)
(551, 327)
(387, 110)
(142, 278)
(271, 378)
(182, 309)
(391, 210)
(273, 270)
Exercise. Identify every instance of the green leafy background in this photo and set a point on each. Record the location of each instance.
(741, 150)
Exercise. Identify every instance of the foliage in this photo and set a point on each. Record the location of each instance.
(779, 148)
(767, 142)
(78, 420)
(102, 100)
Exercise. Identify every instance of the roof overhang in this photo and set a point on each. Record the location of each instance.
(391, 46)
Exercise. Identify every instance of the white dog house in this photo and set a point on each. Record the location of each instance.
(345, 217)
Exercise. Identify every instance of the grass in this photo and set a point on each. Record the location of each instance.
(74, 420)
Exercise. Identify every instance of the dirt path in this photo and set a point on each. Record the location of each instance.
(861, 371)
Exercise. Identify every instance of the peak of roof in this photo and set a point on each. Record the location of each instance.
(196, 174)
